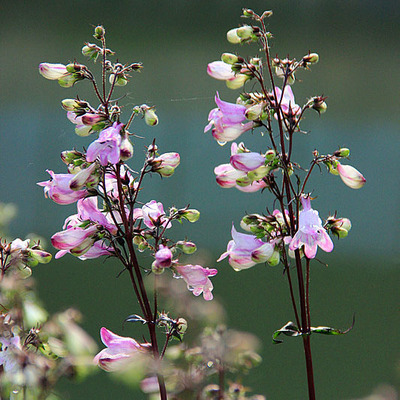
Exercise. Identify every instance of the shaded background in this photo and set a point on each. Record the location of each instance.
(359, 54)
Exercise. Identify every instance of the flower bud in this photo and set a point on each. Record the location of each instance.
(69, 80)
(186, 247)
(263, 253)
(254, 112)
(52, 71)
(339, 226)
(91, 50)
(244, 32)
(150, 117)
(311, 58)
(140, 242)
(274, 259)
(165, 164)
(126, 148)
(99, 32)
(118, 80)
(270, 155)
(350, 176)
(233, 37)
(318, 104)
(70, 104)
(190, 214)
(259, 173)
(229, 58)
(182, 325)
(237, 82)
(342, 152)
(247, 12)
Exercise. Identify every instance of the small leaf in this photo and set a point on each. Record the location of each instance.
(326, 330)
(290, 329)
(135, 318)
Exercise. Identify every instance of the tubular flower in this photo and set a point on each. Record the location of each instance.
(52, 71)
(107, 146)
(223, 72)
(350, 176)
(287, 101)
(58, 188)
(119, 350)
(227, 120)
(310, 232)
(153, 215)
(240, 250)
(196, 278)
(247, 161)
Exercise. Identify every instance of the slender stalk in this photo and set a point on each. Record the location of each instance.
(221, 382)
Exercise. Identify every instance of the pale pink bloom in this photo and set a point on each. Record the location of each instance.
(287, 101)
(88, 211)
(247, 161)
(52, 71)
(226, 175)
(81, 129)
(253, 187)
(107, 146)
(75, 240)
(99, 248)
(227, 120)
(154, 215)
(119, 350)
(166, 163)
(350, 176)
(196, 278)
(58, 188)
(163, 257)
(240, 250)
(10, 354)
(310, 233)
(220, 70)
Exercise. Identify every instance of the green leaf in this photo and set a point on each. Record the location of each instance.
(290, 329)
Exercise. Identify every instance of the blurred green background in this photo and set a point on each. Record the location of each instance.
(359, 72)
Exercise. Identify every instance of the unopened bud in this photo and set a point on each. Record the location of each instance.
(311, 58)
(339, 226)
(274, 259)
(150, 117)
(182, 325)
(233, 37)
(245, 32)
(229, 58)
(118, 79)
(350, 176)
(99, 32)
(270, 155)
(126, 148)
(342, 152)
(52, 71)
(318, 104)
(254, 112)
(247, 12)
(190, 214)
(266, 14)
(186, 247)
(156, 269)
(259, 173)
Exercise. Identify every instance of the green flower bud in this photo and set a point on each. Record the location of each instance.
(254, 112)
(342, 152)
(150, 117)
(245, 32)
(270, 155)
(186, 247)
(99, 32)
(182, 325)
(274, 259)
(156, 269)
(259, 173)
(120, 80)
(233, 37)
(229, 58)
(311, 58)
(191, 215)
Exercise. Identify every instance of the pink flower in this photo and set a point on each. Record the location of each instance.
(119, 350)
(58, 188)
(154, 215)
(196, 278)
(227, 120)
(310, 232)
(10, 355)
(287, 101)
(222, 71)
(99, 248)
(247, 161)
(52, 71)
(107, 146)
(240, 250)
(75, 240)
(163, 257)
(350, 176)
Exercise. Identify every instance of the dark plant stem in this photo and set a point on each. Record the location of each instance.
(221, 382)
(140, 290)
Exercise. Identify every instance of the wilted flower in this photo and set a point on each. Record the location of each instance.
(310, 232)
(196, 278)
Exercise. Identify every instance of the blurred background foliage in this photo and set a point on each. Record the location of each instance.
(358, 70)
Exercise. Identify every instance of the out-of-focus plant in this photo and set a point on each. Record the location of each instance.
(290, 231)
(36, 350)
